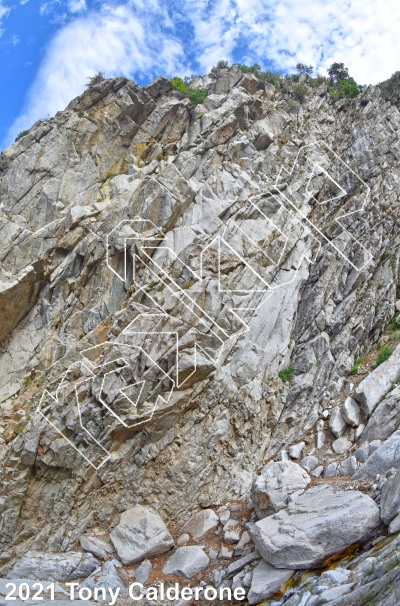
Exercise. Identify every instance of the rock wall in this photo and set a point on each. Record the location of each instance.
(198, 252)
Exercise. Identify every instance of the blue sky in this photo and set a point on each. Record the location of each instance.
(50, 47)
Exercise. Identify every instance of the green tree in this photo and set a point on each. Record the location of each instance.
(301, 68)
(300, 92)
(338, 71)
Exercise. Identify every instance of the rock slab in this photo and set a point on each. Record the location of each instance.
(54, 566)
(201, 523)
(376, 385)
(278, 480)
(186, 561)
(140, 534)
(318, 524)
(390, 499)
(266, 581)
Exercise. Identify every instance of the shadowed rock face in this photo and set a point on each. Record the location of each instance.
(18, 295)
(135, 225)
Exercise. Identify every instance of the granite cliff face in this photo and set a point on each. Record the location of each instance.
(186, 293)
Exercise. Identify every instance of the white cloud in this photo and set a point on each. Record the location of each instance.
(114, 40)
(76, 6)
(364, 34)
(4, 10)
(146, 38)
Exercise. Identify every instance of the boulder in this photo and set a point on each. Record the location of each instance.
(201, 523)
(394, 525)
(54, 566)
(186, 561)
(385, 419)
(143, 571)
(309, 462)
(362, 453)
(262, 134)
(225, 553)
(106, 576)
(224, 516)
(183, 539)
(382, 459)
(341, 445)
(337, 424)
(351, 412)
(390, 498)
(266, 581)
(330, 470)
(140, 534)
(321, 522)
(376, 385)
(95, 546)
(278, 480)
(296, 449)
(232, 532)
(334, 593)
(238, 565)
(317, 471)
(243, 544)
(348, 467)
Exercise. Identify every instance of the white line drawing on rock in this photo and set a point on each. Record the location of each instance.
(146, 238)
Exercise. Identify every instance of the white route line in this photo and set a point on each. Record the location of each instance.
(145, 241)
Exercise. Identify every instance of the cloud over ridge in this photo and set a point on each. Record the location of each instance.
(142, 39)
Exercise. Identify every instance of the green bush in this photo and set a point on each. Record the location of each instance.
(267, 75)
(357, 363)
(196, 95)
(395, 323)
(341, 84)
(345, 88)
(21, 134)
(300, 92)
(250, 69)
(286, 373)
(384, 354)
(217, 68)
(317, 81)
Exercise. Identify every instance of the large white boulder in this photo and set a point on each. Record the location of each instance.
(140, 534)
(278, 480)
(382, 459)
(337, 424)
(186, 561)
(106, 576)
(201, 523)
(376, 385)
(96, 546)
(385, 419)
(351, 412)
(54, 566)
(390, 499)
(318, 524)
